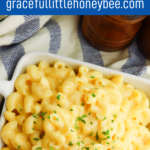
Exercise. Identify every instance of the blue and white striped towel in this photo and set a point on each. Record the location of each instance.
(60, 35)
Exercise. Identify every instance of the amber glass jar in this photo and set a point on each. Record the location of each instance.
(143, 39)
(110, 33)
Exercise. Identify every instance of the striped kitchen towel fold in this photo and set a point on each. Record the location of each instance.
(60, 35)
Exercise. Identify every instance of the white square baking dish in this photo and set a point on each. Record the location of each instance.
(7, 87)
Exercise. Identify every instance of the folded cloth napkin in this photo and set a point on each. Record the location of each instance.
(60, 35)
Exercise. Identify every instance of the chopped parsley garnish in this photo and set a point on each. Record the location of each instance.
(58, 97)
(82, 142)
(78, 144)
(71, 109)
(39, 148)
(91, 134)
(89, 113)
(70, 143)
(107, 142)
(51, 148)
(32, 128)
(104, 119)
(93, 94)
(96, 118)
(58, 105)
(83, 116)
(20, 109)
(113, 141)
(36, 139)
(19, 147)
(41, 114)
(106, 132)
(113, 147)
(103, 85)
(57, 119)
(48, 117)
(34, 116)
(92, 77)
(80, 119)
(111, 129)
(87, 148)
(118, 137)
(95, 148)
(82, 104)
(78, 137)
(34, 122)
(72, 131)
(92, 143)
(76, 126)
(41, 99)
(97, 137)
(114, 115)
(108, 137)
(54, 111)
(91, 123)
(112, 121)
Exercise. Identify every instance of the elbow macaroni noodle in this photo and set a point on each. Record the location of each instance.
(55, 108)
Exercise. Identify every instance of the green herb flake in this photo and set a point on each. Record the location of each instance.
(91, 134)
(54, 111)
(103, 85)
(82, 104)
(20, 109)
(70, 143)
(114, 115)
(113, 147)
(72, 131)
(92, 77)
(39, 148)
(36, 139)
(82, 142)
(89, 113)
(108, 137)
(57, 119)
(111, 129)
(32, 128)
(97, 138)
(41, 99)
(58, 97)
(78, 137)
(87, 148)
(92, 143)
(34, 122)
(78, 144)
(104, 119)
(41, 114)
(80, 119)
(95, 148)
(51, 148)
(93, 94)
(91, 123)
(18, 147)
(58, 105)
(48, 117)
(112, 121)
(107, 142)
(76, 126)
(34, 116)
(114, 141)
(83, 116)
(106, 132)
(96, 118)
(71, 109)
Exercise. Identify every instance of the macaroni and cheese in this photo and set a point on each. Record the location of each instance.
(58, 108)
